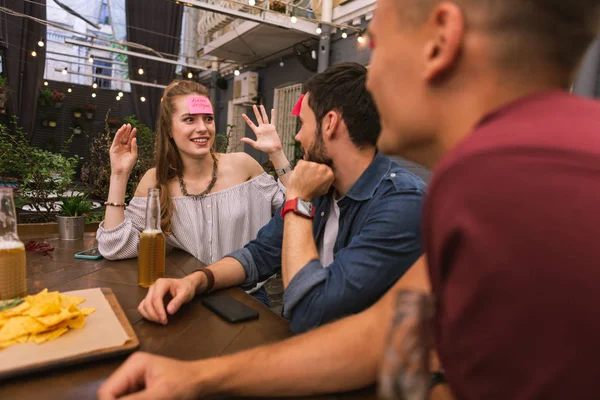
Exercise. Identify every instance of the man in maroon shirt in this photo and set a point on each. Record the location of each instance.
(474, 89)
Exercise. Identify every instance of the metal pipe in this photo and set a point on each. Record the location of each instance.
(325, 37)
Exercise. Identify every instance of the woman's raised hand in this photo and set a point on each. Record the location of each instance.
(267, 139)
(124, 151)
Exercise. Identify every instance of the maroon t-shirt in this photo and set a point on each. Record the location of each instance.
(512, 233)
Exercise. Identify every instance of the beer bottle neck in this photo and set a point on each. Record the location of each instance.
(8, 216)
(153, 211)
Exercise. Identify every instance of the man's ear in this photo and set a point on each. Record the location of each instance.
(330, 124)
(443, 48)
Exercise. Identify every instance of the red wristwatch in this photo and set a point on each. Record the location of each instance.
(300, 207)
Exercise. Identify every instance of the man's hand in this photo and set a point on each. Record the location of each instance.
(152, 307)
(309, 180)
(152, 377)
(267, 139)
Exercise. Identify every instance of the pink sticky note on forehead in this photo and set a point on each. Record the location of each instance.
(298, 107)
(199, 105)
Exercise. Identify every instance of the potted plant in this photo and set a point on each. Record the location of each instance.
(278, 6)
(57, 98)
(89, 111)
(71, 221)
(77, 113)
(113, 121)
(52, 121)
(45, 97)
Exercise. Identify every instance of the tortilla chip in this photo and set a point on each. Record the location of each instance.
(41, 318)
(87, 311)
(67, 301)
(11, 312)
(19, 326)
(54, 319)
(77, 323)
(42, 309)
(47, 336)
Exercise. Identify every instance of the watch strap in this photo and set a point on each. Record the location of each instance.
(292, 205)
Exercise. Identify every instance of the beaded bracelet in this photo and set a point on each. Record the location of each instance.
(110, 203)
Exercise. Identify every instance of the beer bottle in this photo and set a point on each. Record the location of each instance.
(152, 246)
(13, 269)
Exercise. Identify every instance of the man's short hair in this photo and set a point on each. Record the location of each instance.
(553, 32)
(342, 88)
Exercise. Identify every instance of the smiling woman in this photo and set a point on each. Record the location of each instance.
(200, 190)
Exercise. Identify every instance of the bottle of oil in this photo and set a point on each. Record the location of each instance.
(151, 252)
(13, 268)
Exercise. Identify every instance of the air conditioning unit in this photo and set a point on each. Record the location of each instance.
(245, 88)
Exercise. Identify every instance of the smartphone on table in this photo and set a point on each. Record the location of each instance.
(89, 254)
(229, 308)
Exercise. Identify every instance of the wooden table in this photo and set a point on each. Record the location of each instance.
(193, 333)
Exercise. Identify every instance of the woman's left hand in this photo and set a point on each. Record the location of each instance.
(267, 139)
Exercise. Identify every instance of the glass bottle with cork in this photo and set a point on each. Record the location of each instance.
(152, 247)
(13, 268)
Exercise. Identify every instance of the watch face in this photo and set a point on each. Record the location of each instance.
(305, 207)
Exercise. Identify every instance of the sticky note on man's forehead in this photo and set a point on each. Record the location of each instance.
(298, 107)
(199, 105)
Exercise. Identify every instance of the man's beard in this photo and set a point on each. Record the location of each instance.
(317, 153)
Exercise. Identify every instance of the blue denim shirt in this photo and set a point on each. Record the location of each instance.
(378, 240)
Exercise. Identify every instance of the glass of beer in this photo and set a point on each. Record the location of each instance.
(152, 247)
(13, 276)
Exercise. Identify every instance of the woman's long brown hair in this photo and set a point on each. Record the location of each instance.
(168, 160)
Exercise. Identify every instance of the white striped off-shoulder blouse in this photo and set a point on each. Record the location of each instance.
(207, 228)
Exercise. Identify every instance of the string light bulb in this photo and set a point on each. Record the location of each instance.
(252, 3)
(118, 98)
(64, 71)
(69, 90)
(142, 99)
(190, 75)
(360, 38)
(34, 53)
(236, 72)
(281, 64)
(41, 43)
(319, 29)
(91, 59)
(95, 85)
(344, 34)
(120, 94)
(45, 83)
(293, 18)
(93, 94)
(141, 71)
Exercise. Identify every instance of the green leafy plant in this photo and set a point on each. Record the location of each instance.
(222, 139)
(74, 205)
(97, 168)
(94, 217)
(44, 174)
(45, 98)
